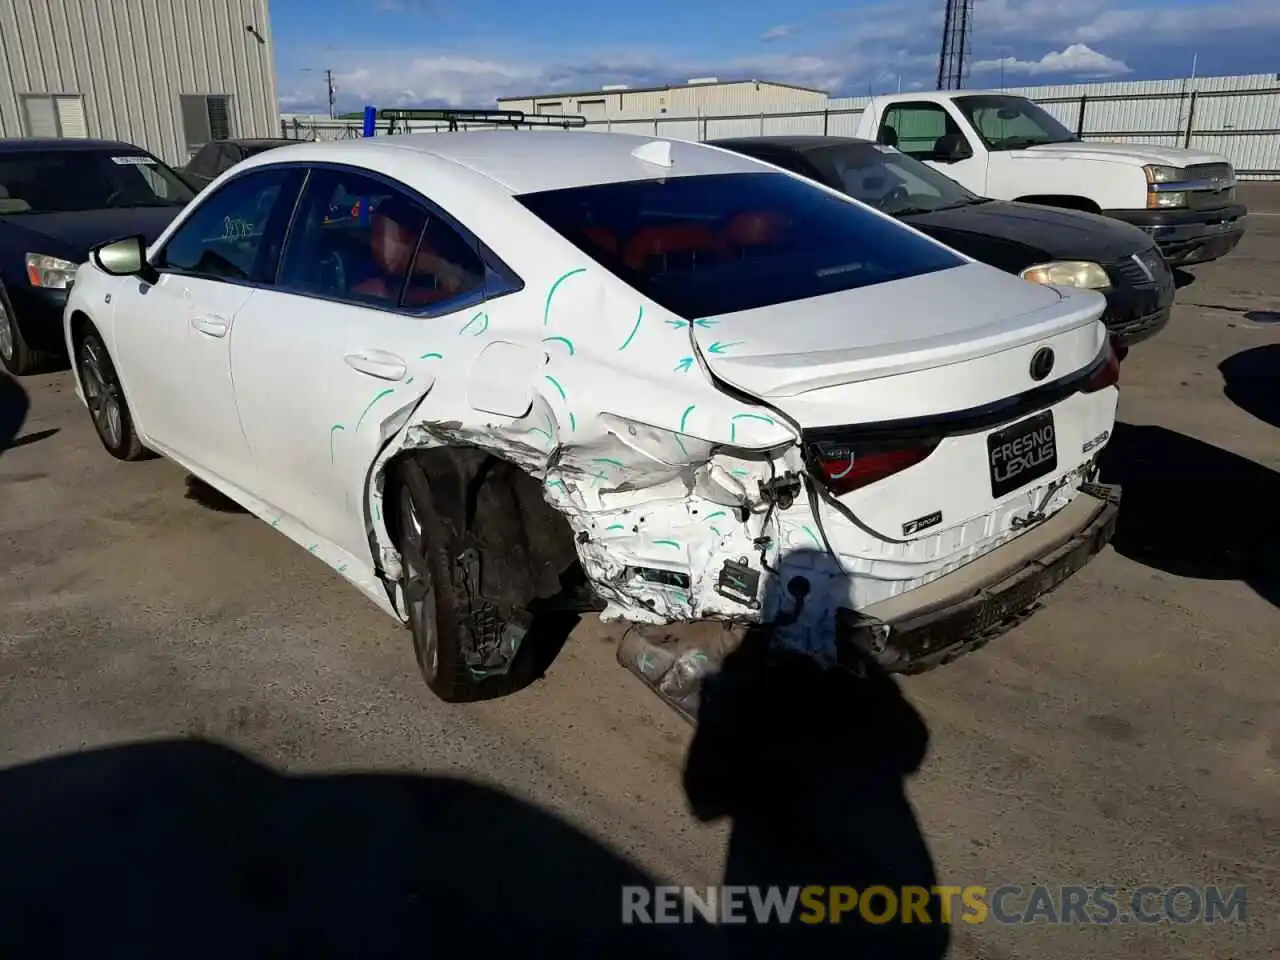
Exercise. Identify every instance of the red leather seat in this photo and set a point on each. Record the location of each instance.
(606, 240)
(693, 239)
(756, 228)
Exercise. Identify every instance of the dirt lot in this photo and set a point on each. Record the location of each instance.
(1127, 734)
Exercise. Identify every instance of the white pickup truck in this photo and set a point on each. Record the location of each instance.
(1008, 148)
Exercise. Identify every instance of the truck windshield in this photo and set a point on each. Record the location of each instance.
(722, 243)
(890, 181)
(77, 180)
(1012, 123)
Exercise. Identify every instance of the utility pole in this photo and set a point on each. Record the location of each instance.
(330, 87)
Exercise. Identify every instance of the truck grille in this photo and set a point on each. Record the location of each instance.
(1212, 199)
(1144, 269)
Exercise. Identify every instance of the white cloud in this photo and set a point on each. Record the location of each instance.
(779, 32)
(1077, 59)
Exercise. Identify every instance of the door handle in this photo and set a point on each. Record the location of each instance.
(377, 363)
(211, 325)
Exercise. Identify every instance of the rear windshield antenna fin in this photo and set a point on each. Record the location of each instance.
(657, 152)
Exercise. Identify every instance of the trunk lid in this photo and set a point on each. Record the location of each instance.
(919, 401)
(918, 347)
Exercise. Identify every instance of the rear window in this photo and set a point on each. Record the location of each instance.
(708, 245)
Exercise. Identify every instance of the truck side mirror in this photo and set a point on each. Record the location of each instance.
(952, 148)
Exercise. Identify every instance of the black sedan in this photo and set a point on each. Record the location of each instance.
(1041, 244)
(218, 156)
(59, 198)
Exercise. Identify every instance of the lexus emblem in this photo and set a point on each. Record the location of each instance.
(1041, 363)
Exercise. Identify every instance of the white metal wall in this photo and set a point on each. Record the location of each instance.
(688, 100)
(131, 60)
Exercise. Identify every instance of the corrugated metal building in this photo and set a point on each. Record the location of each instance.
(167, 75)
(701, 96)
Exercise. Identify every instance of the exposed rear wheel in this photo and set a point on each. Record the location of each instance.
(105, 398)
(455, 631)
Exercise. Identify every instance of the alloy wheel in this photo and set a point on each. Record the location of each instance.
(8, 340)
(102, 394)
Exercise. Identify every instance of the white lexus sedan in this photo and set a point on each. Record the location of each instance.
(491, 376)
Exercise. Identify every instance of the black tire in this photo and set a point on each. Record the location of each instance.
(105, 398)
(15, 355)
(442, 616)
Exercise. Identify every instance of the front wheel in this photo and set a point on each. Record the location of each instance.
(105, 398)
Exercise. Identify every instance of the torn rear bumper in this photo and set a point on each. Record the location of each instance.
(957, 613)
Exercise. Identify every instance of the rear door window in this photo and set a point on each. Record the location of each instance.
(707, 245)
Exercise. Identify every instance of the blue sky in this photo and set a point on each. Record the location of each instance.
(468, 52)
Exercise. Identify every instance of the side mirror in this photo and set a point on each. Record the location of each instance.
(952, 148)
(122, 258)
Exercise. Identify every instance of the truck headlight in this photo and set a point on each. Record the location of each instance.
(51, 273)
(1068, 273)
(1161, 174)
(1173, 200)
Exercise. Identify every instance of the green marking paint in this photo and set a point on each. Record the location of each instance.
(432, 356)
(556, 483)
(634, 330)
(332, 432)
(733, 422)
(312, 548)
(342, 568)
(616, 463)
(716, 530)
(484, 324)
(705, 324)
(615, 526)
(813, 535)
(719, 347)
(685, 365)
(712, 516)
(408, 380)
(675, 324)
(378, 396)
(556, 383)
(565, 340)
(666, 543)
(684, 417)
(739, 472)
(573, 422)
(276, 522)
(546, 306)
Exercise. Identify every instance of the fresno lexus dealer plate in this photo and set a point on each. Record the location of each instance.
(1020, 453)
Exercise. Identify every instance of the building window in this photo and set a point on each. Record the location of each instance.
(54, 115)
(204, 118)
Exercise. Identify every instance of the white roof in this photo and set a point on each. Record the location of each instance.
(522, 161)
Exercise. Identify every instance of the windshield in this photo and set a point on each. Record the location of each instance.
(708, 245)
(890, 181)
(1011, 123)
(66, 181)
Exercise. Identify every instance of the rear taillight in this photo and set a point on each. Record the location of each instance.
(1107, 375)
(850, 466)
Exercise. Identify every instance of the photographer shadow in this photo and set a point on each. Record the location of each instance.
(810, 766)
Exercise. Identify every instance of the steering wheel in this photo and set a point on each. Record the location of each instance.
(333, 272)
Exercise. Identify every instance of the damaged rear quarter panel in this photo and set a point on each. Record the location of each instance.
(599, 394)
